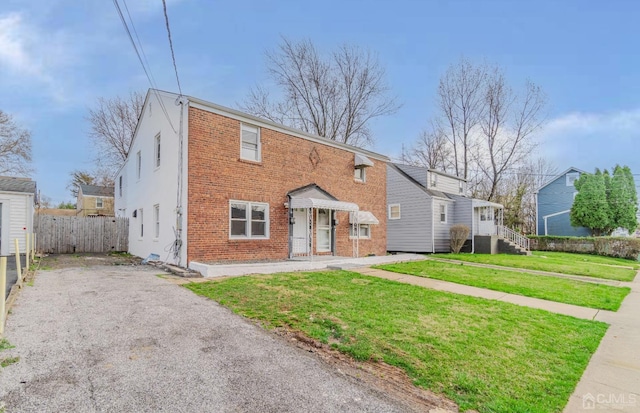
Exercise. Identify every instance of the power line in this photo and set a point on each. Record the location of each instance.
(147, 72)
(173, 57)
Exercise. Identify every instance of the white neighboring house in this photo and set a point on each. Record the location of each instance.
(148, 188)
(17, 205)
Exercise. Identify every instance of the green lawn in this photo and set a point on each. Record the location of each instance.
(575, 264)
(483, 354)
(562, 290)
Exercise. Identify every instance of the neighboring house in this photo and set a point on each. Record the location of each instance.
(423, 204)
(553, 205)
(205, 183)
(17, 203)
(94, 200)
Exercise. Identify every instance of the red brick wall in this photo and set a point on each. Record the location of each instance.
(217, 174)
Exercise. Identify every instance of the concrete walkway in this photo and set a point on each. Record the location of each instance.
(552, 306)
(121, 339)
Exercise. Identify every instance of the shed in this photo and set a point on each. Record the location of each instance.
(17, 202)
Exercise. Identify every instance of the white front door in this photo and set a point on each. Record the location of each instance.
(300, 232)
(323, 231)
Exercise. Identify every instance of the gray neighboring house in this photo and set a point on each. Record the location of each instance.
(423, 204)
(553, 205)
(17, 206)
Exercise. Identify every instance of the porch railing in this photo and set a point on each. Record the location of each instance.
(515, 237)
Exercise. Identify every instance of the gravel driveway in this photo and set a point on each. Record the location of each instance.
(120, 339)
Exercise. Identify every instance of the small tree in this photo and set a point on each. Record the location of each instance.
(458, 234)
(590, 208)
(15, 147)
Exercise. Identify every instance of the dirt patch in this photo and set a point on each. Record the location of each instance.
(388, 379)
(60, 261)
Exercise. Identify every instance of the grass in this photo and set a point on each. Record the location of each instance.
(564, 263)
(562, 290)
(485, 355)
(4, 362)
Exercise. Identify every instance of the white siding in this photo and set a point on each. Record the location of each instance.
(441, 230)
(157, 185)
(17, 220)
(446, 184)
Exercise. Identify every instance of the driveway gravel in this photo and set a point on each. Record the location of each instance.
(121, 339)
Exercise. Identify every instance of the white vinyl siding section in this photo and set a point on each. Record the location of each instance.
(250, 147)
(441, 236)
(17, 214)
(446, 184)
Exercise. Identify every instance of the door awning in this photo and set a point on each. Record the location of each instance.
(323, 204)
(364, 217)
(361, 160)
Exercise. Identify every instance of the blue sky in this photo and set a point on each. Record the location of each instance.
(58, 56)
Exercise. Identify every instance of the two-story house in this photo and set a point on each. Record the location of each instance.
(553, 205)
(423, 205)
(94, 200)
(209, 184)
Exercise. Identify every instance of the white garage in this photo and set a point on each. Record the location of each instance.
(17, 202)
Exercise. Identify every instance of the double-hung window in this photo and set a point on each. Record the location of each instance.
(156, 150)
(443, 213)
(141, 217)
(365, 231)
(99, 203)
(248, 220)
(434, 179)
(120, 186)
(394, 211)
(156, 221)
(360, 174)
(250, 143)
(138, 164)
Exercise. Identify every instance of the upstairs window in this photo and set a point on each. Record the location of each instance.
(138, 164)
(434, 180)
(99, 203)
(141, 216)
(360, 174)
(156, 150)
(250, 143)
(572, 177)
(120, 186)
(394, 211)
(460, 187)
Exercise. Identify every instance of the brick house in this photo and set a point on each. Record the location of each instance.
(205, 183)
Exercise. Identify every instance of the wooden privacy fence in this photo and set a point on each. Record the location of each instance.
(63, 235)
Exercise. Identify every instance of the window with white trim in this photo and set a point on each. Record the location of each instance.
(141, 216)
(138, 164)
(156, 151)
(360, 173)
(434, 179)
(120, 186)
(443, 213)
(250, 143)
(156, 221)
(572, 177)
(248, 220)
(365, 231)
(460, 187)
(99, 203)
(394, 211)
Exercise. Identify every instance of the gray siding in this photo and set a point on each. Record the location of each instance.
(441, 230)
(463, 212)
(412, 232)
(553, 198)
(445, 184)
(416, 172)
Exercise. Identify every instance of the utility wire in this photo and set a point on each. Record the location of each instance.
(138, 51)
(173, 57)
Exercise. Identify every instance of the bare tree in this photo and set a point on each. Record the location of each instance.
(15, 147)
(507, 127)
(460, 98)
(113, 123)
(334, 96)
(430, 150)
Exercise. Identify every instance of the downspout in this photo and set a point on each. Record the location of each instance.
(473, 228)
(433, 227)
(177, 253)
(290, 215)
(536, 202)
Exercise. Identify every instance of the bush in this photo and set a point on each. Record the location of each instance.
(458, 234)
(628, 248)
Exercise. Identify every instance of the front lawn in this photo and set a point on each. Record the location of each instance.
(565, 263)
(562, 290)
(485, 355)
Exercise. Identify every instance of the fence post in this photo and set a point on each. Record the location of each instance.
(18, 263)
(27, 250)
(3, 288)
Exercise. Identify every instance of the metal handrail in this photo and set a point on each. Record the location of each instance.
(513, 236)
